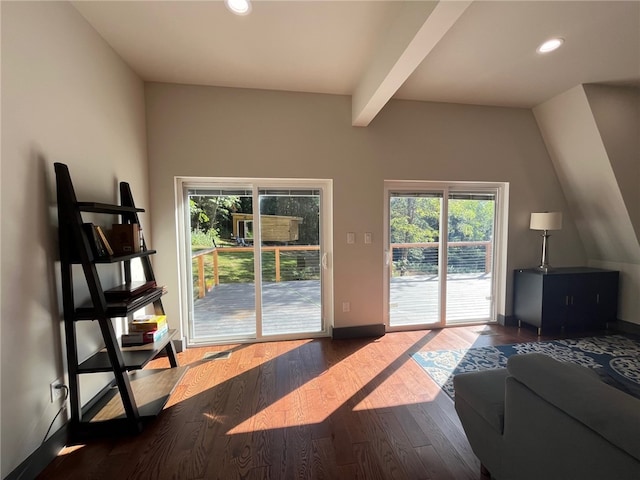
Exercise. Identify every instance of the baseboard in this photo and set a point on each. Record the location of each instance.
(507, 320)
(624, 326)
(178, 344)
(360, 331)
(43, 456)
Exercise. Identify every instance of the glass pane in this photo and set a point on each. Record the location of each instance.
(222, 265)
(291, 274)
(470, 257)
(414, 221)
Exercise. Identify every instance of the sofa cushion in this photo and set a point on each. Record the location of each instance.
(579, 392)
(484, 392)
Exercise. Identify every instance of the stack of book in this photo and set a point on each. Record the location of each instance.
(127, 291)
(147, 329)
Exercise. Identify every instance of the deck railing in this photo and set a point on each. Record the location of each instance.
(487, 245)
(200, 256)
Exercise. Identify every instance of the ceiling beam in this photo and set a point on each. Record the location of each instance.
(417, 29)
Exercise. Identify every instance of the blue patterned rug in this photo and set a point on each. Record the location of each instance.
(618, 355)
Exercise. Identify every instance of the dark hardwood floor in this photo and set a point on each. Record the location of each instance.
(304, 409)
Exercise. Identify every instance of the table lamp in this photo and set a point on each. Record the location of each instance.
(545, 221)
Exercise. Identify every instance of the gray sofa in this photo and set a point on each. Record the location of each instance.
(543, 419)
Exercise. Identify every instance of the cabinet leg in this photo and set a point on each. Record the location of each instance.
(539, 331)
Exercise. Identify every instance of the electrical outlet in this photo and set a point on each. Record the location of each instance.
(56, 393)
(346, 307)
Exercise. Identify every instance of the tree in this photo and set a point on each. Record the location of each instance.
(415, 219)
(470, 220)
(209, 213)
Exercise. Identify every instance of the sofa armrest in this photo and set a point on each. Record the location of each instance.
(580, 393)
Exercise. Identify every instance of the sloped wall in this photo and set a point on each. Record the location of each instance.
(616, 111)
(591, 134)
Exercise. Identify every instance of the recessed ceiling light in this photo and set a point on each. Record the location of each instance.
(239, 7)
(550, 45)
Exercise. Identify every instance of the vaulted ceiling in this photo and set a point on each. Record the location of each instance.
(474, 52)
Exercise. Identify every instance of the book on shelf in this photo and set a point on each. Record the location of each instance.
(95, 242)
(128, 290)
(142, 338)
(123, 307)
(103, 239)
(136, 302)
(148, 323)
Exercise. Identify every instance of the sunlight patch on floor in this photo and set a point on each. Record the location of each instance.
(372, 385)
(388, 395)
(288, 411)
(70, 449)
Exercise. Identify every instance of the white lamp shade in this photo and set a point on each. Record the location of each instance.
(546, 221)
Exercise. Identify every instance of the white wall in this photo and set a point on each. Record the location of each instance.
(66, 97)
(225, 132)
(616, 111)
(593, 142)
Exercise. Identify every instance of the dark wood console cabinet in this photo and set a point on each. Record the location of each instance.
(565, 298)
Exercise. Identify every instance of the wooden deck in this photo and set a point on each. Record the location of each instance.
(414, 300)
(228, 310)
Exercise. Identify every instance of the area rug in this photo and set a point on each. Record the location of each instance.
(618, 355)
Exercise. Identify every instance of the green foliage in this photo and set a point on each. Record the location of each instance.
(414, 219)
(470, 220)
(417, 220)
(212, 212)
(197, 213)
(200, 239)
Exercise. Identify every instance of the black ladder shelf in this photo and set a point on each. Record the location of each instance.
(134, 395)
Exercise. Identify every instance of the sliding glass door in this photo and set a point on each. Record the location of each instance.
(291, 261)
(414, 258)
(222, 266)
(470, 246)
(256, 256)
(440, 248)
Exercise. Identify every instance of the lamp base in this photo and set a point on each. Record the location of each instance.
(544, 262)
